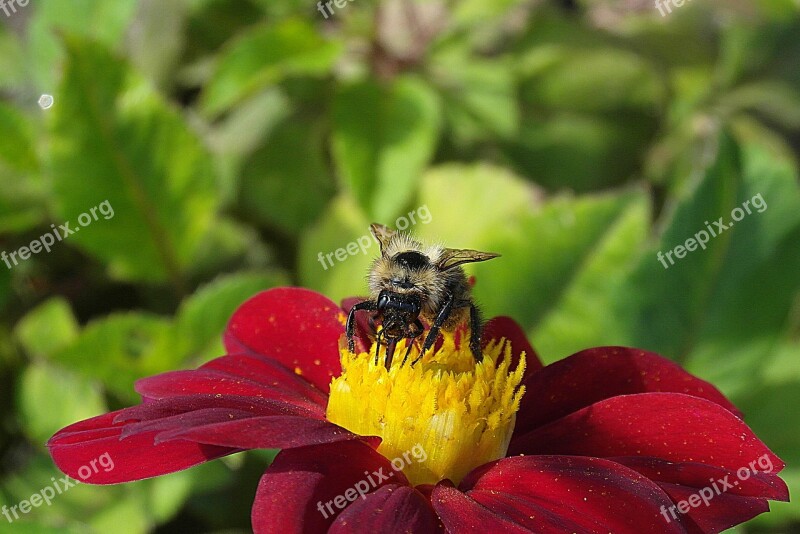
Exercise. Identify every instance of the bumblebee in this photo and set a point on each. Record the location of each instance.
(410, 281)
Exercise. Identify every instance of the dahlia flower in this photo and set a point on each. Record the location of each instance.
(610, 439)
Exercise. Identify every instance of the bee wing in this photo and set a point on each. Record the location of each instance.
(382, 233)
(451, 257)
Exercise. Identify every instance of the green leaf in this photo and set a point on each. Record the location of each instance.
(229, 243)
(74, 506)
(280, 188)
(582, 151)
(121, 348)
(156, 43)
(202, 318)
(580, 318)
(24, 526)
(12, 60)
(22, 202)
(549, 254)
(340, 224)
(125, 516)
(383, 137)
(115, 141)
(17, 149)
(47, 328)
(454, 193)
(590, 81)
(480, 97)
(764, 407)
(722, 309)
(266, 55)
(669, 302)
(775, 100)
(50, 398)
(5, 286)
(212, 22)
(101, 20)
(168, 493)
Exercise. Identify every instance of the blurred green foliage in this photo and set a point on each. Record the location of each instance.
(238, 139)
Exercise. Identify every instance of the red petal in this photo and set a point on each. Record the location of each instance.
(728, 510)
(77, 446)
(499, 327)
(294, 492)
(671, 426)
(269, 432)
(238, 375)
(757, 479)
(595, 374)
(388, 510)
(297, 327)
(160, 408)
(268, 373)
(727, 497)
(554, 494)
(462, 514)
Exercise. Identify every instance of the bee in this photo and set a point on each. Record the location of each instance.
(410, 281)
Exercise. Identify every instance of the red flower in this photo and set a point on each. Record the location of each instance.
(609, 439)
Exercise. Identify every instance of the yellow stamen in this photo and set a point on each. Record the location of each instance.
(459, 413)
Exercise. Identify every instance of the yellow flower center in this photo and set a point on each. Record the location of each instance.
(440, 418)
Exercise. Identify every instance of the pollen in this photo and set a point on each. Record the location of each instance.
(454, 413)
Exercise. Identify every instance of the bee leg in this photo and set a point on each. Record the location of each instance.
(433, 333)
(412, 337)
(476, 325)
(378, 345)
(351, 323)
(390, 345)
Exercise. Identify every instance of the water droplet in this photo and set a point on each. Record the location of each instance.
(46, 101)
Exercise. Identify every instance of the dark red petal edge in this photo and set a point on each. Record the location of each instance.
(553, 494)
(135, 458)
(297, 327)
(240, 375)
(716, 498)
(305, 489)
(166, 435)
(388, 510)
(595, 374)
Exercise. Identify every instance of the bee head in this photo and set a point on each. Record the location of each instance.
(407, 266)
(407, 271)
